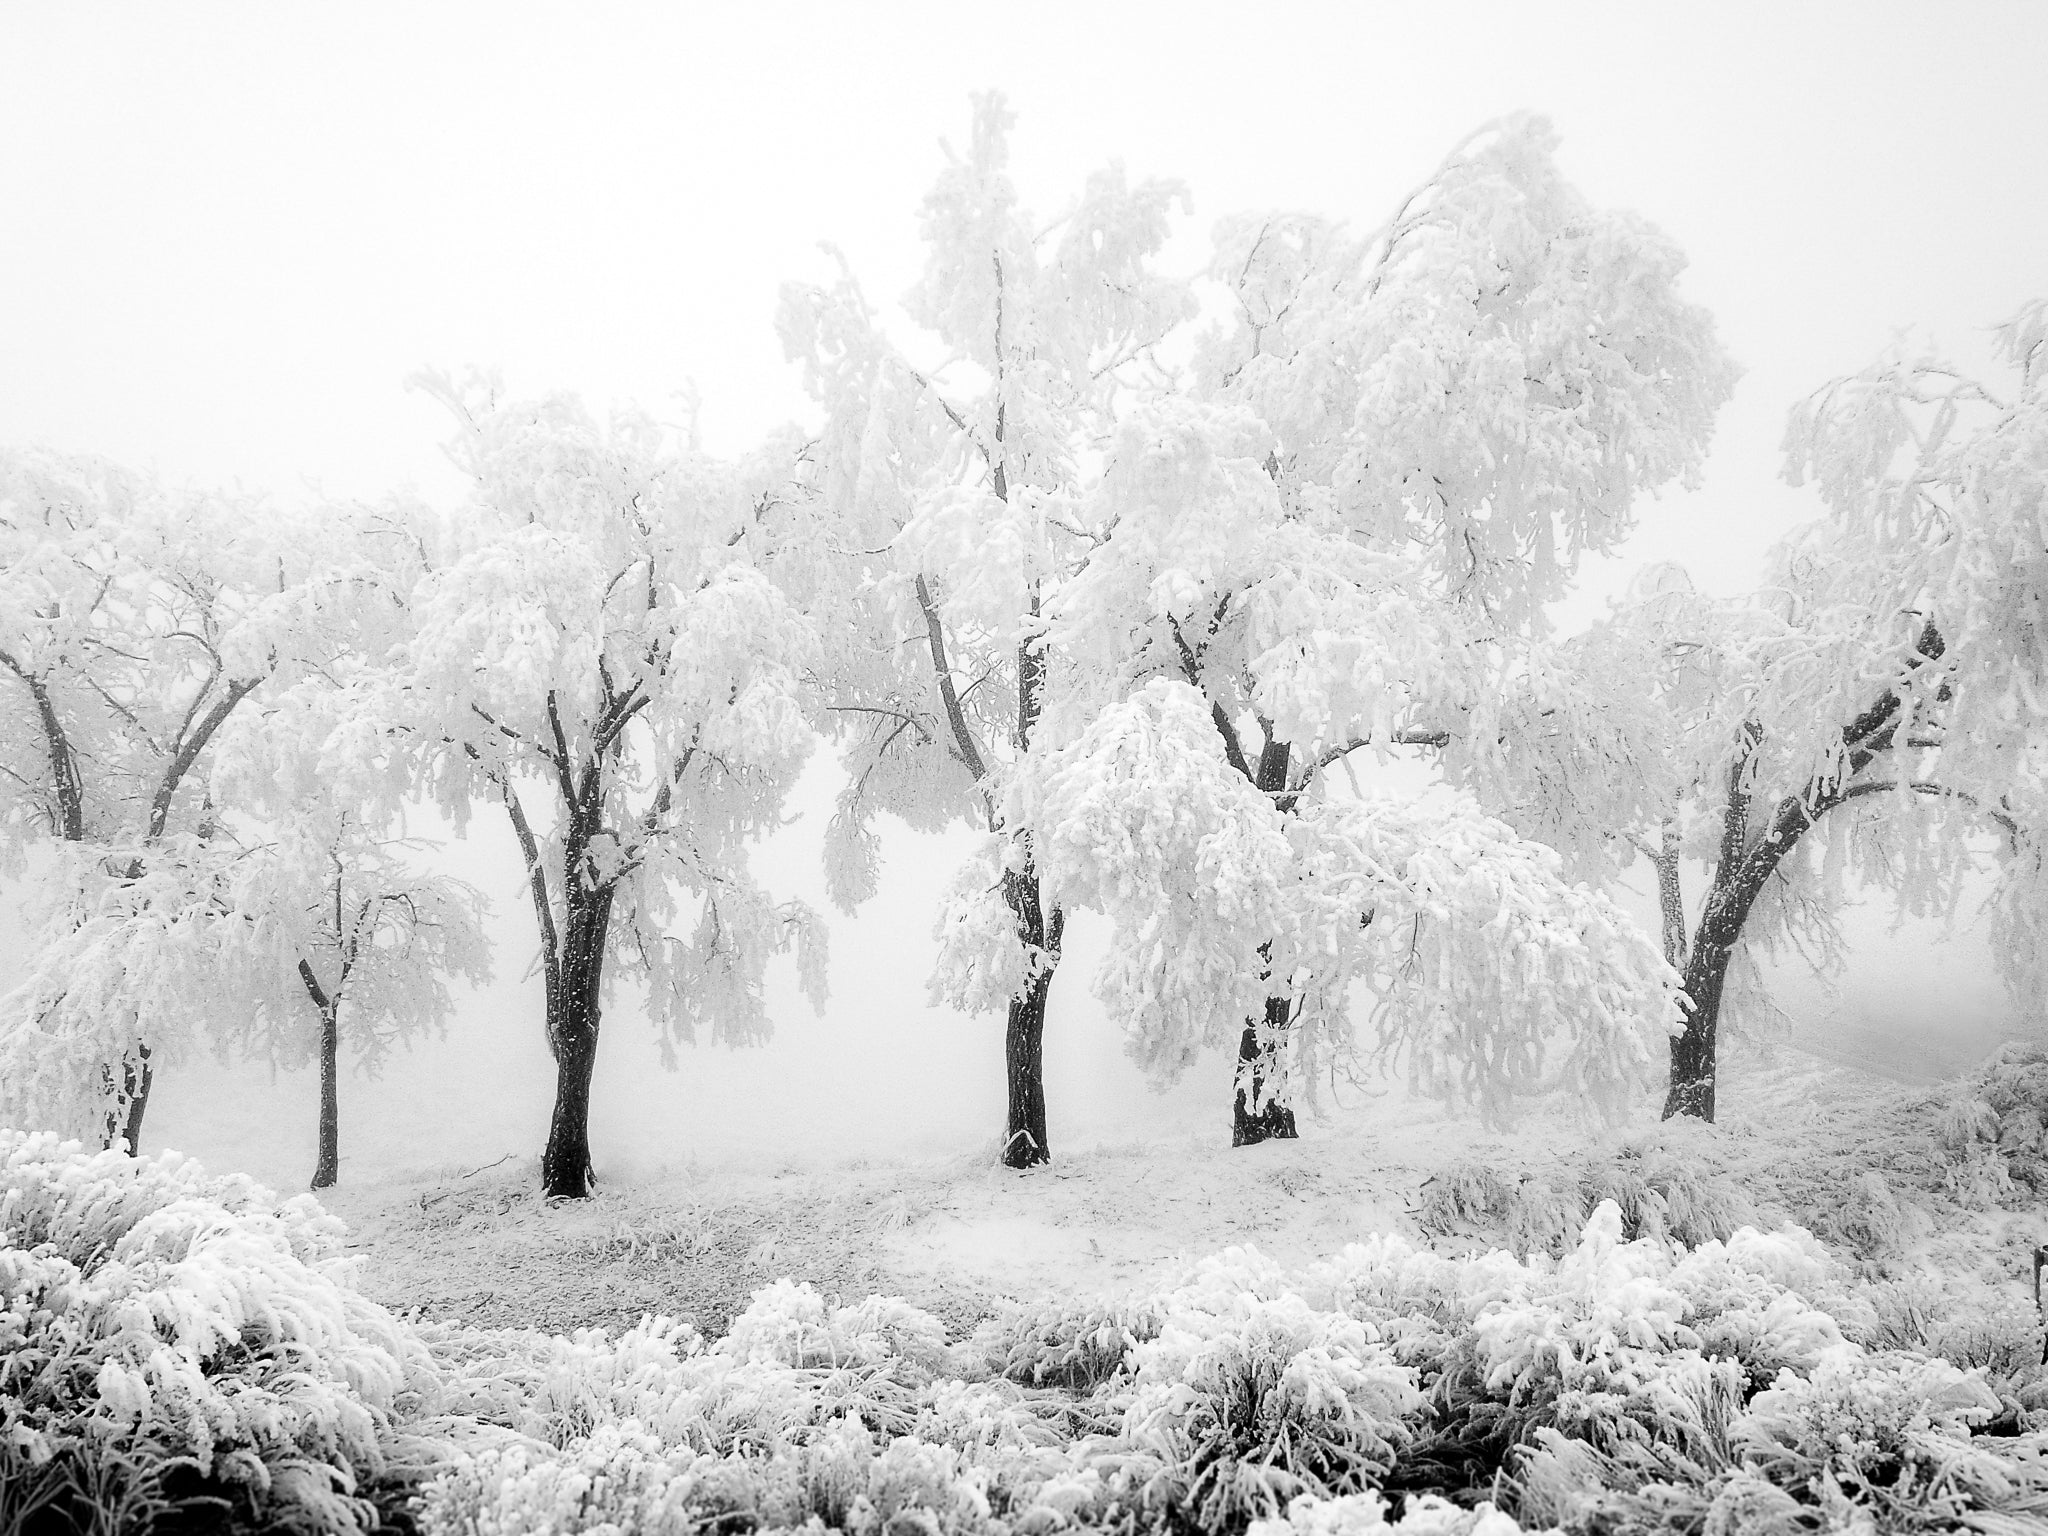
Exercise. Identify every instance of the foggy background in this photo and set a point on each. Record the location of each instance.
(230, 233)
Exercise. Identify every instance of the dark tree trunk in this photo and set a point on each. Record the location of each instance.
(1747, 863)
(1025, 1143)
(573, 1015)
(1739, 878)
(1275, 1122)
(327, 1171)
(1694, 1053)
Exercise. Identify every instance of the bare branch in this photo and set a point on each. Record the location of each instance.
(964, 745)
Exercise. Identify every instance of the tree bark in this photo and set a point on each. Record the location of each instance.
(1025, 1142)
(327, 1171)
(1671, 898)
(1260, 1042)
(573, 1017)
(124, 1121)
(1274, 1122)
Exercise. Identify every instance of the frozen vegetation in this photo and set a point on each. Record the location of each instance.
(1126, 572)
(1665, 1352)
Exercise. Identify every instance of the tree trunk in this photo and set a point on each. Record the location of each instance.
(573, 1015)
(124, 1121)
(1259, 1044)
(1025, 1143)
(1693, 1053)
(1671, 898)
(1738, 879)
(1274, 1122)
(327, 1171)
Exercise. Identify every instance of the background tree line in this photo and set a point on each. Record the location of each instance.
(1124, 569)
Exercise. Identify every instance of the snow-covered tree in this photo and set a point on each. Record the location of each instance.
(1395, 450)
(349, 923)
(948, 490)
(135, 625)
(597, 630)
(1872, 718)
(1869, 718)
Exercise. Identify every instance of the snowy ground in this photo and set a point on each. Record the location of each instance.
(959, 1237)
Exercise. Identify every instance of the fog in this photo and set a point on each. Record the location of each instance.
(232, 234)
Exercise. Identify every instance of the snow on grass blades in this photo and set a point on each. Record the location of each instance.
(1388, 1387)
(167, 1338)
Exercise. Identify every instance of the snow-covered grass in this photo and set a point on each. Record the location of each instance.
(940, 1348)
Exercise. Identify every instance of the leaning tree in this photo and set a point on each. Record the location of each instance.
(597, 647)
(1391, 456)
(1869, 717)
(946, 494)
(1892, 687)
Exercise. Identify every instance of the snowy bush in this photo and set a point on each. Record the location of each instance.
(170, 1339)
(1077, 1344)
(1632, 1384)
(167, 1338)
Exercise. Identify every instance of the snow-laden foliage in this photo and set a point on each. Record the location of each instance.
(226, 931)
(170, 1339)
(945, 507)
(1494, 374)
(167, 1337)
(1184, 599)
(1393, 451)
(600, 633)
(142, 632)
(1493, 975)
(1351, 1395)
(1867, 718)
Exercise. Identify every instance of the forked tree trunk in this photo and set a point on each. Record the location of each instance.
(573, 1017)
(1025, 1143)
(1255, 1048)
(327, 1171)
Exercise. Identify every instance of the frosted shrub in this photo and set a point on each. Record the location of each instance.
(1077, 1344)
(1667, 1184)
(165, 1337)
(1994, 1131)
(621, 1479)
(1285, 1400)
(1889, 1434)
(1632, 1385)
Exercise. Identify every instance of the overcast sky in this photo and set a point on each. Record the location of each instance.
(229, 232)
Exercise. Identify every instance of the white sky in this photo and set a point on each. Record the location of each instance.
(228, 233)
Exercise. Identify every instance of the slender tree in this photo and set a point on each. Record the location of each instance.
(948, 491)
(597, 631)
(343, 923)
